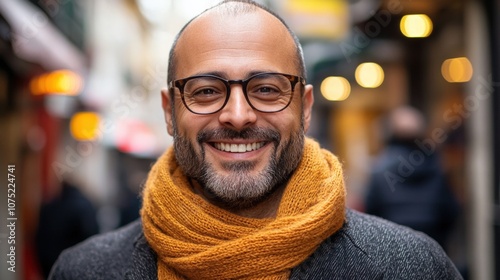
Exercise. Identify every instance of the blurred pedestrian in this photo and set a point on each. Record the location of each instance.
(408, 185)
(65, 220)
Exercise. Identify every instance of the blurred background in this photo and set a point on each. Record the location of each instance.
(81, 119)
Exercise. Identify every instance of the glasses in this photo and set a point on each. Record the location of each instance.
(264, 92)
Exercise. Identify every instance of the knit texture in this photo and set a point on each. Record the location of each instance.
(197, 240)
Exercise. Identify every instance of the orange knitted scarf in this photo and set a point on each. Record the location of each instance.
(197, 240)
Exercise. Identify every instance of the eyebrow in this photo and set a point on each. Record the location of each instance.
(225, 76)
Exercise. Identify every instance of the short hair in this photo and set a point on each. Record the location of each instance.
(241, 7)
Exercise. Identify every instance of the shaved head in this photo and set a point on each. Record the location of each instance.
(234, 8)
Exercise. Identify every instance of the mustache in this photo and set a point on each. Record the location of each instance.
(225, 133)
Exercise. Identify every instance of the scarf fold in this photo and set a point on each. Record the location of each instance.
(197, 240)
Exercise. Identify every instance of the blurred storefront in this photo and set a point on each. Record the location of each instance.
(32, 44)
(437, 56)
(80, 83)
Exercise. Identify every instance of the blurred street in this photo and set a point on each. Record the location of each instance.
(81, 119)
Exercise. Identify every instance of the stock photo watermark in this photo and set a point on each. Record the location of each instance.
(360, 39)
(37, 21)
(11, 220)
(121, 108)
(454, 117)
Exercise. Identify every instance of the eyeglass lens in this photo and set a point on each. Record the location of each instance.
(265, 92)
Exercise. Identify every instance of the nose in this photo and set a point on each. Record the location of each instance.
(237, 114)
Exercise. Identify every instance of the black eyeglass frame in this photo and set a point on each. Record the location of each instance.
(180, 83)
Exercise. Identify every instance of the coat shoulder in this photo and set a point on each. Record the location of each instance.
(368, 247)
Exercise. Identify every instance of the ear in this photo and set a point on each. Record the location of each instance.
(166, 104)
(307, 103)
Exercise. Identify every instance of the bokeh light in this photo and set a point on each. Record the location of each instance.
(84, 126)
(457, 70)
(369, 75)
(416, 26)
(335, 88)
(62, 82)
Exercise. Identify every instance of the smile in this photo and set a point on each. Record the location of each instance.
(238, 148)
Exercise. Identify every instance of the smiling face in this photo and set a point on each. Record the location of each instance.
(239, 156)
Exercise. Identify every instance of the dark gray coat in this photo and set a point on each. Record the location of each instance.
(366, 247)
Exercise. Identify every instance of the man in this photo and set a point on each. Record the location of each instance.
(243, 194)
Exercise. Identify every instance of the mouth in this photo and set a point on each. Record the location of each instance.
(238, 148)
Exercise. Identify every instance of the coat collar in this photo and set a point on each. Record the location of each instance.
(143, 264)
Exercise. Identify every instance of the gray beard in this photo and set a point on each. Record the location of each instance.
(239, 189)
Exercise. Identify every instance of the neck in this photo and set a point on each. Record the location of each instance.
(267, 208)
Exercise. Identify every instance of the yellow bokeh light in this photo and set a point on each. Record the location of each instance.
(335, 88)
(416, 26)
(84, 126)
(318, 18)
(369, 75)
(63, 82)
(457, 70)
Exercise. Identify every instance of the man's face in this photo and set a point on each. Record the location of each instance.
(238, 155)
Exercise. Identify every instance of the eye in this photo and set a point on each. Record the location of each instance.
(206, 95)
(266, 89)
(204, 88)
(264, 92)
(205, 91)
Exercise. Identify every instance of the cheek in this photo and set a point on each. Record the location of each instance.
(189, 124)
(293, 115)
(287, 123)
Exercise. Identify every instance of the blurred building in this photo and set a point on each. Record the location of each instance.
(80, 83)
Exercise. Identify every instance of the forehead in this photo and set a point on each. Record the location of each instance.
(235, 45)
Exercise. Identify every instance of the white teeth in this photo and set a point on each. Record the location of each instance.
(238, 148)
